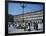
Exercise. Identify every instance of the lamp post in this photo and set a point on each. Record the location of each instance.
(23, 6)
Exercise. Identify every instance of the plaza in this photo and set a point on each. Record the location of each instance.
(33, 22)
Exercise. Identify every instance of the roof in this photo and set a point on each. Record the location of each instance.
(30, 12)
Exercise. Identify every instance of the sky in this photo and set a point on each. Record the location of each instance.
(16, 8)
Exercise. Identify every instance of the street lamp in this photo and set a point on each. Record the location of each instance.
(23, 5)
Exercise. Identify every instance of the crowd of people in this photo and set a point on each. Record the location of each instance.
(21, 26)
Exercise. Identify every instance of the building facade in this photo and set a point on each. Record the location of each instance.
(31, 19)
